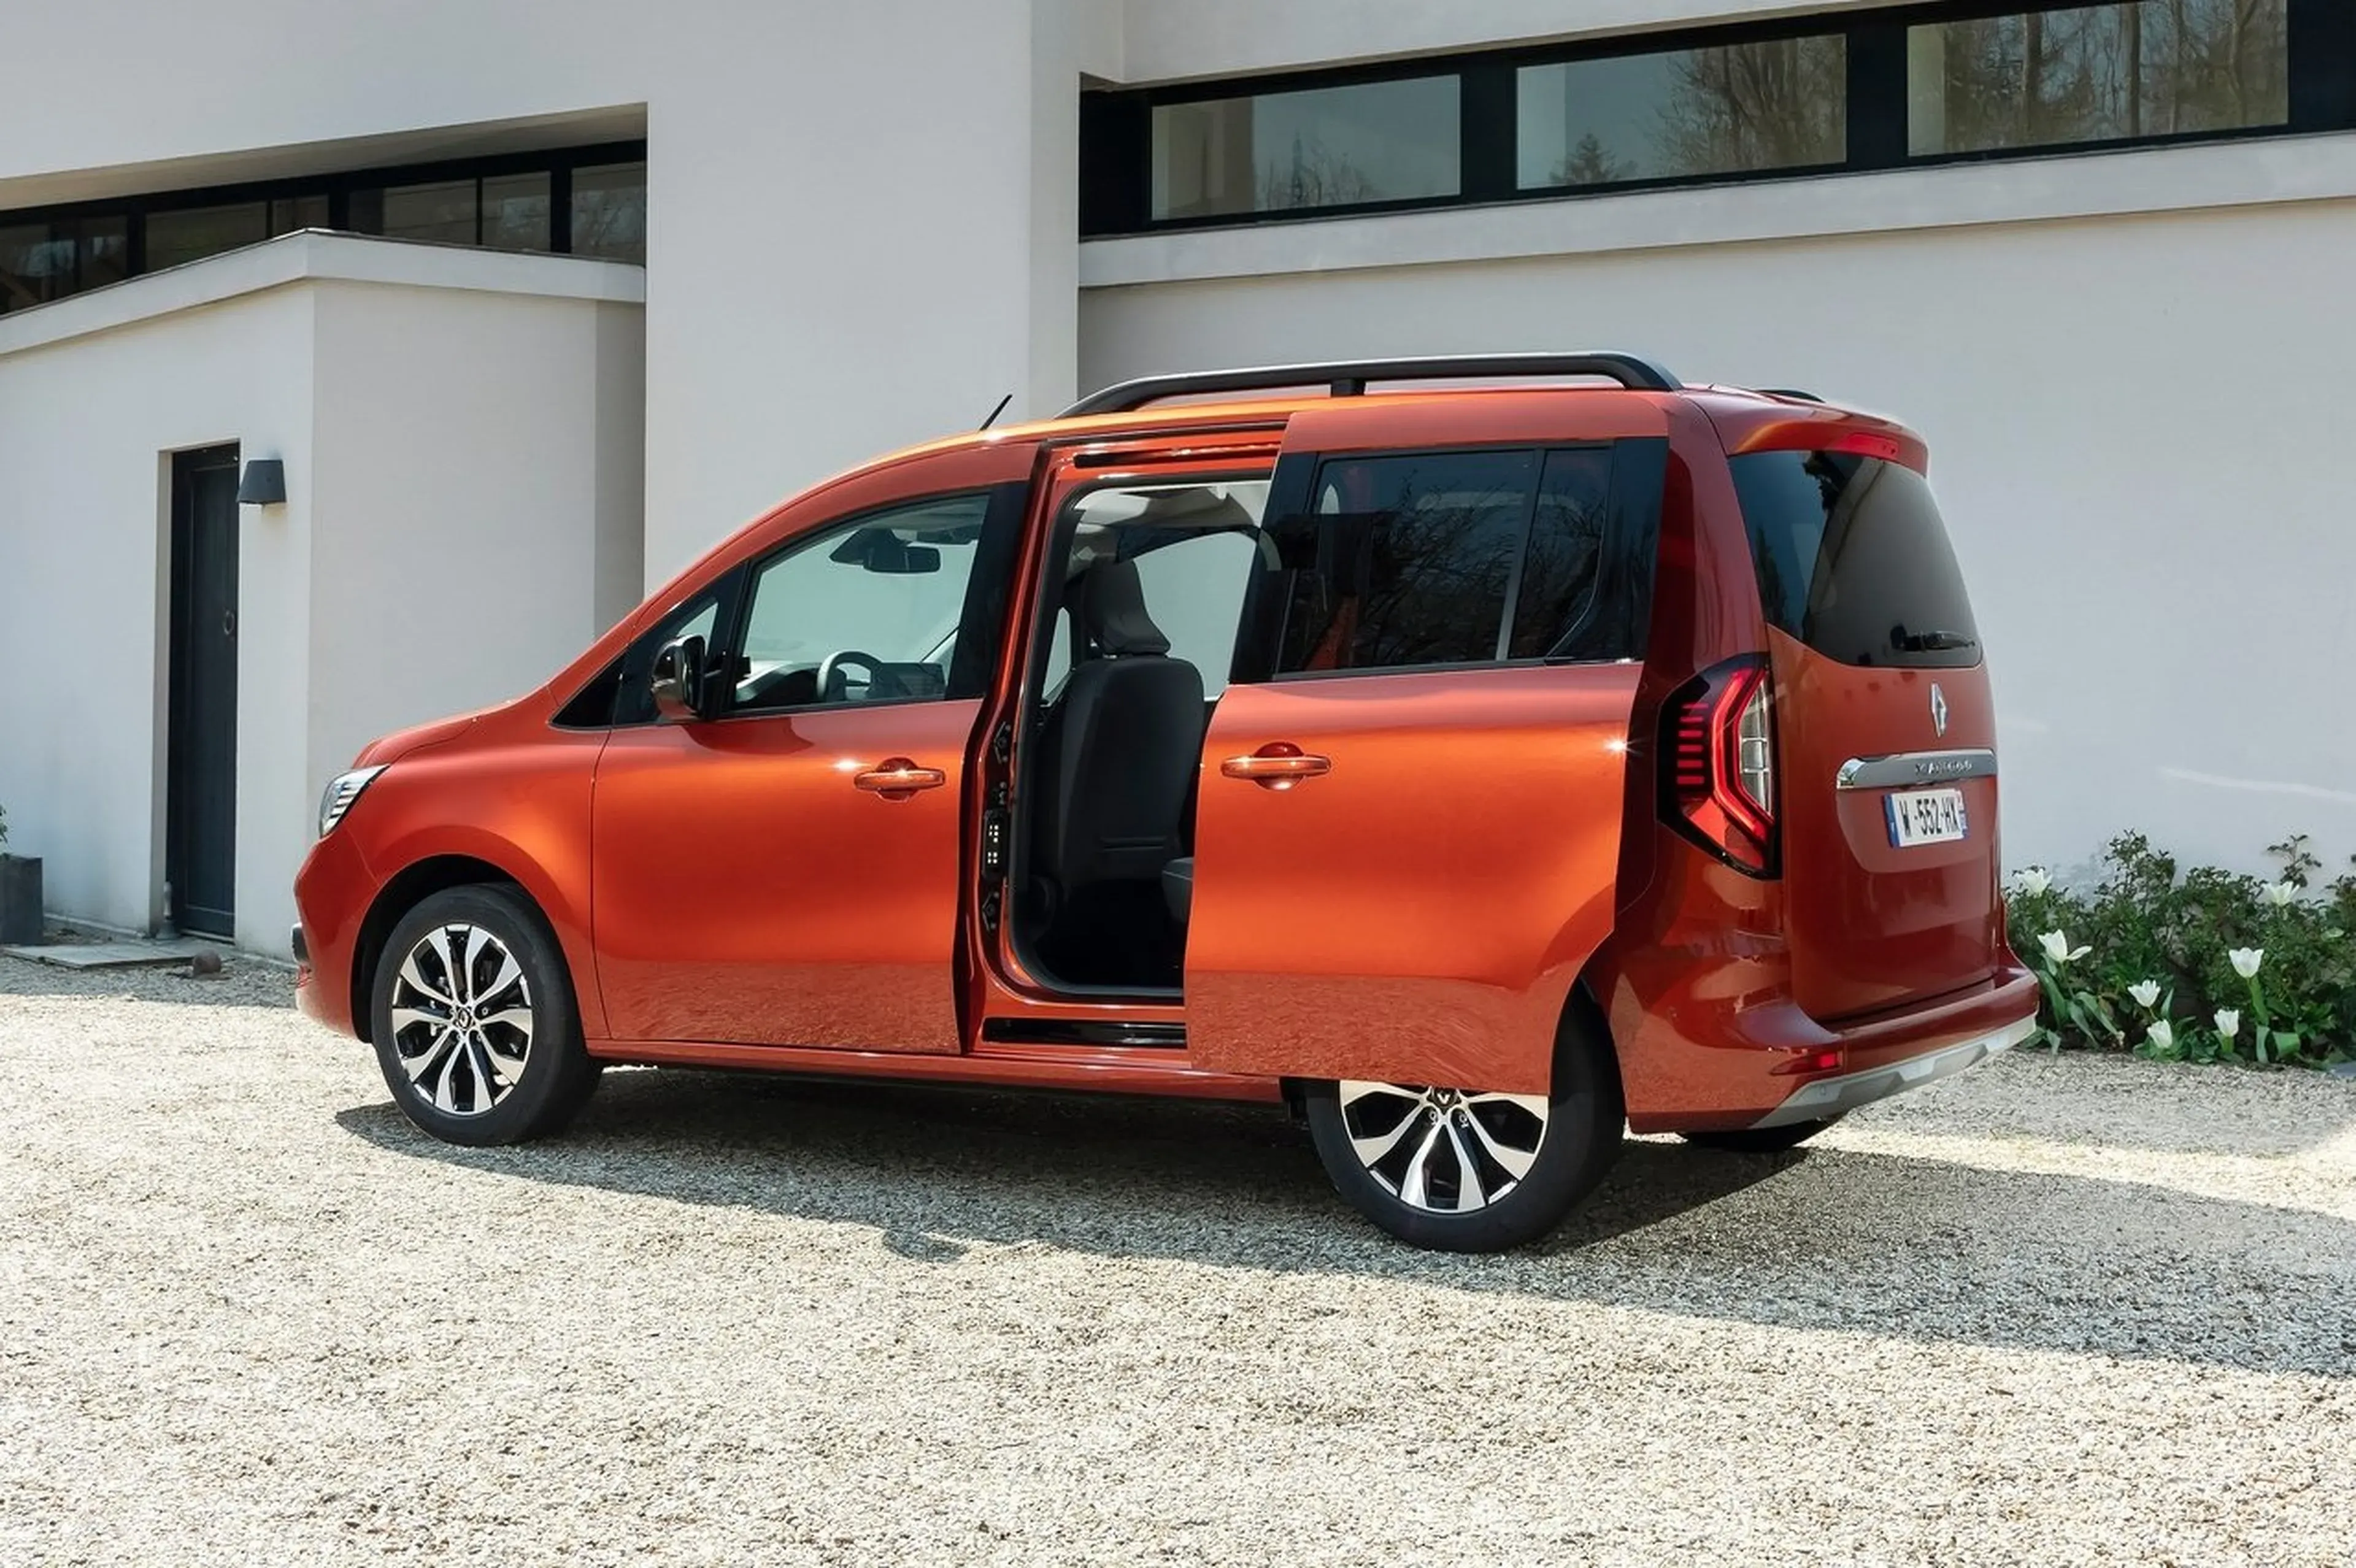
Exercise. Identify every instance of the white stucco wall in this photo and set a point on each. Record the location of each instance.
(2135, 434)
(846, 218)
(440, 413)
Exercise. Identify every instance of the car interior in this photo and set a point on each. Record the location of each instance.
(1135, 638)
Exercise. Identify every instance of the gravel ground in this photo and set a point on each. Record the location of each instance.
(2072, 1311)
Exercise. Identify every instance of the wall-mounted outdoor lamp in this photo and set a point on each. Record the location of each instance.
(264, 483)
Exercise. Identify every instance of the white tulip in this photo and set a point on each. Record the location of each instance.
(2056, 948)
(2031, 880)
(2229, 1022)
(2162, 1034)
(2280, 894)
(2245, 960)
(2146, 993)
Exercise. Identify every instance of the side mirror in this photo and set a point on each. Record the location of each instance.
(678, 680)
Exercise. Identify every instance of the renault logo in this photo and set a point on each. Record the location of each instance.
(1938, 710)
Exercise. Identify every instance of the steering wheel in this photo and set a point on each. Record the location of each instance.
(828, 667)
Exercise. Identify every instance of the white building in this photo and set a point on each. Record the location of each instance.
(693, 257)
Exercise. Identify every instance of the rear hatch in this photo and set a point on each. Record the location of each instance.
(1885, 734)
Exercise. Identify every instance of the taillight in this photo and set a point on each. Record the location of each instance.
(1720, 786)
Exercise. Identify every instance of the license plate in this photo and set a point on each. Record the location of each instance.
(1925, 816)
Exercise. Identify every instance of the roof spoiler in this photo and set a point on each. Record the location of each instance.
(1348, 378)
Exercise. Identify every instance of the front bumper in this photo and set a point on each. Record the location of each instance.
(1828, 1097)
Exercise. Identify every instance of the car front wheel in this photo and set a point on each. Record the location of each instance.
(474, 1019)
(1470, 1170)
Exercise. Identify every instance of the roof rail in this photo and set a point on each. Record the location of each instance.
(1348, 378)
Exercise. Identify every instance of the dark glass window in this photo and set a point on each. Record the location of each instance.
(1734, 108)
(192, 233)
(1853, 558)
(516, 211)
(1329, 147)
(1404, 560)
(2095, 73)
(1565, 549)
(442, 210)
(290, 213)
(609, 212)
(45, 261)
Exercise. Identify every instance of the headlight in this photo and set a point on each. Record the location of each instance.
(344, 789)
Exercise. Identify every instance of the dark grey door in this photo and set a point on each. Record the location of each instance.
(200, 805)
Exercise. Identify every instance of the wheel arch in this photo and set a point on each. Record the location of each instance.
(412, 886)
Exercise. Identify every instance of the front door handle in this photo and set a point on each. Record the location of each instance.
(898, 778)
(1280, 765)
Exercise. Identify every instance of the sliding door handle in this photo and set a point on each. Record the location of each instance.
(898, 778)
(1280, 765)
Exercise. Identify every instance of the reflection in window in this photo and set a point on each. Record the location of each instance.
(1738, 109)
(1405, 561)
(443, 210)
(2096, 73)
(44, 262)
(609, 212)
(289, 214)
(195, 232)
(1386, 141)
(516, 211)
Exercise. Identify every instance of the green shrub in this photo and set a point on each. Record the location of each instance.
(2201, 965)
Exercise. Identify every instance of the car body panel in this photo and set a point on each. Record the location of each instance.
(749, 893)
(1419, 913)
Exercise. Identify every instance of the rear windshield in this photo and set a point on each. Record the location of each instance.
(1853, 560)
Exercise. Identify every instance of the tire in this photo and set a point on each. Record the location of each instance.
(1760, 1140)
(1569, 1148)
(515, 1069)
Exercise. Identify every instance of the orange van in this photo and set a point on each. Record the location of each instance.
(1480, 756)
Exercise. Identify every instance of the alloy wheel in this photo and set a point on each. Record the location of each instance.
(1444, 1151)
(462, 1019)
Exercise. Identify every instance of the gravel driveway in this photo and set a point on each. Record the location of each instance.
(2053, 1312)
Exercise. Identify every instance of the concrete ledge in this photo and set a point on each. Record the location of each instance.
(313, 255)
(2020, 190)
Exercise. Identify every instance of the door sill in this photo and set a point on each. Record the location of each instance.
(1084, 1031)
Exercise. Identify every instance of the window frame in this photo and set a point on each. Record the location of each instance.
(1626, 559)
(340, 188)
(739, 620)
(1117, 158)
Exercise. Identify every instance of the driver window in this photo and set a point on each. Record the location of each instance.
(861, 612)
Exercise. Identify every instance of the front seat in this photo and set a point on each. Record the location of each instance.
(1118, 758)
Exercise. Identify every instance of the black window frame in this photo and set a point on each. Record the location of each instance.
(1117, 151)
(340, 188)
(1613, 626)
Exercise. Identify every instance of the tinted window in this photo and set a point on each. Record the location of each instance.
(609, 212)
(1565, 552)
(1404, 560)
(1734, 108)
(194, 233)
(1853, 560)
(2095, 73)
(1329, 147)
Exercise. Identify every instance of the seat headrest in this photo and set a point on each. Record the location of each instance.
(1112, 611)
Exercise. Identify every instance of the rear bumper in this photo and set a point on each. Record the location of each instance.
(1828, 1097)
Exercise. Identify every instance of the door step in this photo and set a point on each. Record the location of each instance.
(116, 955)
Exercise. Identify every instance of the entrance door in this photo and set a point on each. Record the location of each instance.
(784, 869)
(1407, 843)
(200, 774)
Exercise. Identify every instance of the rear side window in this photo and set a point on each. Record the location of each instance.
(1853, 560)
(1420, 560)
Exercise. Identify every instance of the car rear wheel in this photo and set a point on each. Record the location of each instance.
(474, 1019)
(1761, 1140)
(1469, 1170)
